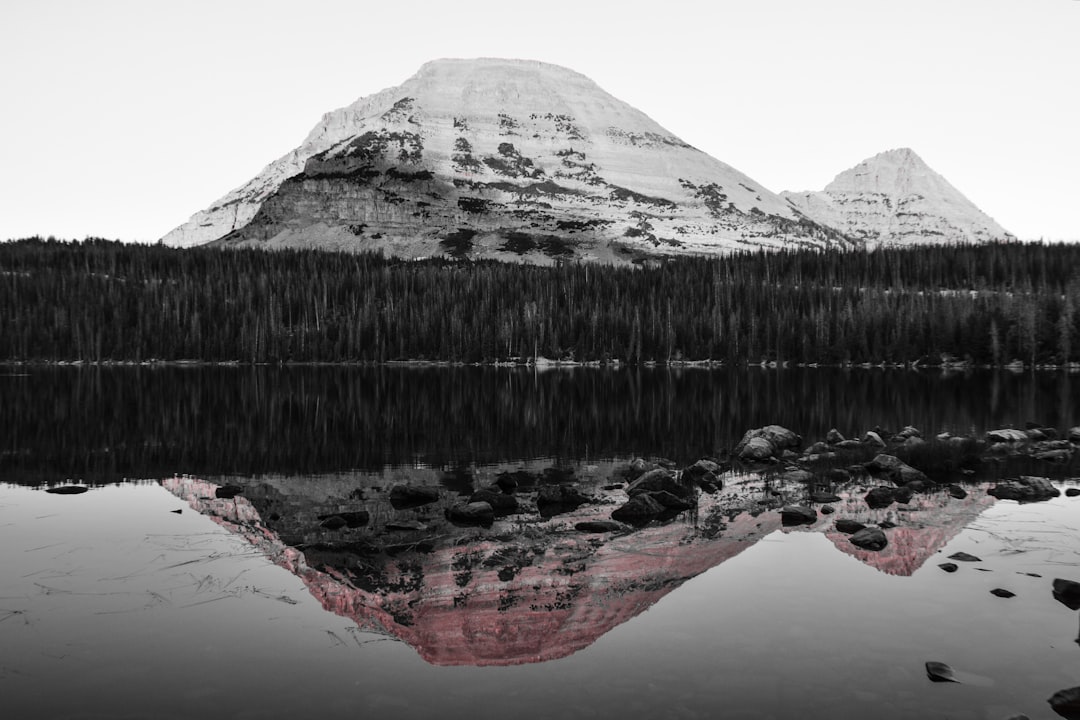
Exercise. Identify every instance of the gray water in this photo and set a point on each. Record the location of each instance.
(114, 605)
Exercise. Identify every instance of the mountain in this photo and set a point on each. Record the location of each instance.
(500, 158)
(895, 198)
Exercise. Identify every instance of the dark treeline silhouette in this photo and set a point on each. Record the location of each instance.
(106, 301)
(103, 424)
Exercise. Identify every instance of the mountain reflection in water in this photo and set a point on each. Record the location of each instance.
(530, 589)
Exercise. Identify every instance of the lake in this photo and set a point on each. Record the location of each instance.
(244, 549)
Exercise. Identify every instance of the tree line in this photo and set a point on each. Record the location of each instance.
(100, 301)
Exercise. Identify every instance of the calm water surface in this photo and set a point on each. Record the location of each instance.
(114, 605)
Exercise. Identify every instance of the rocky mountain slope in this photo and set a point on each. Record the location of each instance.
(500, 158)
(895, 198)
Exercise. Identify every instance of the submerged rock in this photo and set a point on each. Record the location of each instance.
(638, 509)
(879, 497)
(870, 538)
(409, 496)
(474, 513)
(598, 526)
(848, 526)
(798, 515)
(957, 492)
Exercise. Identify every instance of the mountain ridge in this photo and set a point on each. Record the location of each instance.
(467, 156)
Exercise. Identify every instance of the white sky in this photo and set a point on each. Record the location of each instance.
(120, 118)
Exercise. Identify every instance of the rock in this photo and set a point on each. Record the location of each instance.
(410, 496)
(879, 497)
(72, 490)
(177, 511)
(777, 440)
(964, 557)
(228, 492)
(702, 467)
(895, 470)
(827, 509)
(474, 513)
(912, 442)
(848, 526)
(406, 525)
(1002, 593)
(957, 492)
(873, 438)
(870, 538)
(639, 508)
(598, 526)
(1054, 456)
(797, 515)
(949, 567)
(334, 522)
(1074, 434)
(565, 496)
(670, 500)
(940, 672)
(803, 477)
(886, 524)
(1067, 592)
(709, 483)
(903, 495)
(824, 497)
(848, 445)
(1072, 492)
(909, 432)
(499, 501)
(1007, 435)
(757, 448)
(659, 480)
(837, 475)
(1035, 434)
(1066, 703)
(833, 436)
(1025, 489)
(638, 467)
(817, 448)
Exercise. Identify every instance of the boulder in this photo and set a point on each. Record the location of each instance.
(904, 494)
(848, 526)
(778, 439)
(957, 492)
(639, 508)
(873, 438)
(1007, 435)
(797, 515)
(909, 432)
(670, 500)
(879, 497)
(499, 501)
(833, 436)
(804, 477)
(1072, 492)
(1025, 489)
(1074, 434)
(474, 513)
(638, 467)
(837, 475)
(703, 467)
(895, 470)
(1066, 703)
(870, 538)
(567, 496)
(228, 492)
(757, 448)
(410, 496)
(1054, 456)
(659, 480)
(821, 496)
(848, 445)
(1067, 592)
(827, 509)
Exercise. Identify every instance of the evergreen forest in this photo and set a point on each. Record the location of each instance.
(105, 301)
